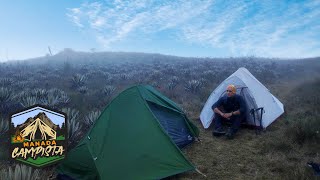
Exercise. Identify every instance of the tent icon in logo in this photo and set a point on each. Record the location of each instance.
(38, 129)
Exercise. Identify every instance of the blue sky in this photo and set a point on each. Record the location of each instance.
(199, 28)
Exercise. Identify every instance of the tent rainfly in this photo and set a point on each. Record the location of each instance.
(137, 136)
(262, 107)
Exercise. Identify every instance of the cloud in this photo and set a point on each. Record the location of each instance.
(215, 27)
(74, 16)
(261, 28)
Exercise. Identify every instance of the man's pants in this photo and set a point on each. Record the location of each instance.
(235, 122)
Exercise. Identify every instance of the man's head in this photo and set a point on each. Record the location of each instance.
(231, 90)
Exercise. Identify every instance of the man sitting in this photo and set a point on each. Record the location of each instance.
(230, 107)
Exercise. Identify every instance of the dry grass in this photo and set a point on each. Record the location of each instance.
(249, 156)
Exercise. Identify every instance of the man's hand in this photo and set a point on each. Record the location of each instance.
(226, 115)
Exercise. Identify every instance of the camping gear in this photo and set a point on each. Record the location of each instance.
(262, 107)
(137, 136)
(315, 167)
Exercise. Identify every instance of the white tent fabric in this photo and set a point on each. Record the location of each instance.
(272, 107)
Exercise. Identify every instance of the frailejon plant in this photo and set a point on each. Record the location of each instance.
(78, 80)
(173, 82)
(21, 84)
(28, 101)
(91, 117)
(108, 90)
(6, 95)
(64, 99)
(124, 76)
(82, 89)
(6, 99)
(74, 126)
(4, 126)
(20, 172)
(171, 85)
(19, 77)
(51, 101)
(40, 93)
(5, 82)
(193, 86)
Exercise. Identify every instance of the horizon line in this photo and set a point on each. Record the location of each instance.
(161, 54)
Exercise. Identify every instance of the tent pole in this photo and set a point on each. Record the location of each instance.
(252, 111)
(261, 113)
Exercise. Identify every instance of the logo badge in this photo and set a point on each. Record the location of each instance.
(38, 136)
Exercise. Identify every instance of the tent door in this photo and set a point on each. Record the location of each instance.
(173, 123)
(245, 93)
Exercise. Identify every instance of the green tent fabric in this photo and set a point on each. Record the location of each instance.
(128, 141)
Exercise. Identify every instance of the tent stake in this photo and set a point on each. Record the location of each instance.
(200, 172)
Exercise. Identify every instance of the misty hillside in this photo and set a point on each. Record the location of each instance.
(76, 57)
(81, 84)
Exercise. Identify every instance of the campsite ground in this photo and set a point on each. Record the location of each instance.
(251, 156)
(280, 152)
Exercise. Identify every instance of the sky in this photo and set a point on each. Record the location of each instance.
(22, 117)
(197, 28)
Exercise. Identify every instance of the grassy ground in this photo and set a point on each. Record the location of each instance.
(249, 156)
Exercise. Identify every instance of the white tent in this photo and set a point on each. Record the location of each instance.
(255, 94)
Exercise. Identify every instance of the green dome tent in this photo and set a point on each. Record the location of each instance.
(137, 136)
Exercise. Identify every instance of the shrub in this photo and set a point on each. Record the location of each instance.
(304, 129)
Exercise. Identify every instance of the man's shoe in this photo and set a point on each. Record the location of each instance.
(230, 134)
(218, 132)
